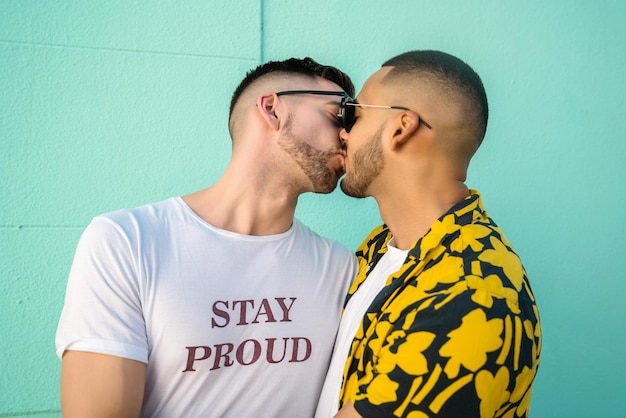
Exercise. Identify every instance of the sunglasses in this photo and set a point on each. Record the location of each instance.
(347, 106)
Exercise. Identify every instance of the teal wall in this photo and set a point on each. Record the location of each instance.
(117, 103)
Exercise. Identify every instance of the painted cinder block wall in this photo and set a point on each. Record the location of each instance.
(114, 104)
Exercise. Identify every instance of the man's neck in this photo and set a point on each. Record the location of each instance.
(410, 216)
(246, 203)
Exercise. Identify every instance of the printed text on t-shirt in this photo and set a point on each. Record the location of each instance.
(245, 312)
(249, 312)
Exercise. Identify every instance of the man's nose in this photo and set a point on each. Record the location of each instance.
(343, 136)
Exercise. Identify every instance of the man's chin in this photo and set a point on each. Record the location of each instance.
(327, 188)
(347, 190)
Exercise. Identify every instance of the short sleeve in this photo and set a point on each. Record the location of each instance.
(102, 311)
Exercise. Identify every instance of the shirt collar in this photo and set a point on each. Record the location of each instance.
(462, 213)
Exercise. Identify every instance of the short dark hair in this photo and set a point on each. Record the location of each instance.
(307, 66)
(453, 74)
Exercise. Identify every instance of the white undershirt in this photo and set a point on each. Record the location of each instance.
(350, 322)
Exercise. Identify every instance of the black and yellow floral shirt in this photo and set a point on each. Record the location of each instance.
(455, 332)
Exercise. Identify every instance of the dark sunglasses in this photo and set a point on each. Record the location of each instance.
(347, 106)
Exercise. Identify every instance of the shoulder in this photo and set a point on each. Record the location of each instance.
(125, 226)
(316, 240)
(153, 212)
(133, 219)
(488, 256)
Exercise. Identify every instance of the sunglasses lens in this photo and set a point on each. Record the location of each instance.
(349, 118)
(348, 115)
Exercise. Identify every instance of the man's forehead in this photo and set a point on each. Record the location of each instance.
(374, 88)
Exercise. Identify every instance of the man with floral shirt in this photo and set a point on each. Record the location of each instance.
(441, 320)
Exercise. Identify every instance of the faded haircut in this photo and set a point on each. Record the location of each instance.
(452, 75)
(307, 66)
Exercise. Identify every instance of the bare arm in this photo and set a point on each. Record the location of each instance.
(348, 411)
(98, 385)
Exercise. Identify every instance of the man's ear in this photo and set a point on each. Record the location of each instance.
(267, 107)
(407, 124)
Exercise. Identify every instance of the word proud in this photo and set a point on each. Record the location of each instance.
(297, 349)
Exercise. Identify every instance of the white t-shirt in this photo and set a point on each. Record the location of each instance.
(229, 325)
(353, 314)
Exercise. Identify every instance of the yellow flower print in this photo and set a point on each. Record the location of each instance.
(469, 238)
(455, 290)
(524, 405)
(443, 227)
(448, 270)
(385, 360)
(469, 344)
(349, 392)
(492, 390)
(382, 329)
(367, 370)
(522, 382)
(490, 287)
(360, 278)
(510, 413)
(467, 208)
(538, 335)
(381, 390)
(409, 356)
(416, 414)
(523, 390)
(409, 319)
(501, 256)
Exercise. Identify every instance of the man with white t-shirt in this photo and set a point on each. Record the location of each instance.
(219, 303)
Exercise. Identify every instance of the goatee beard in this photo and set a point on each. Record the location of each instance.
(367, 163)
